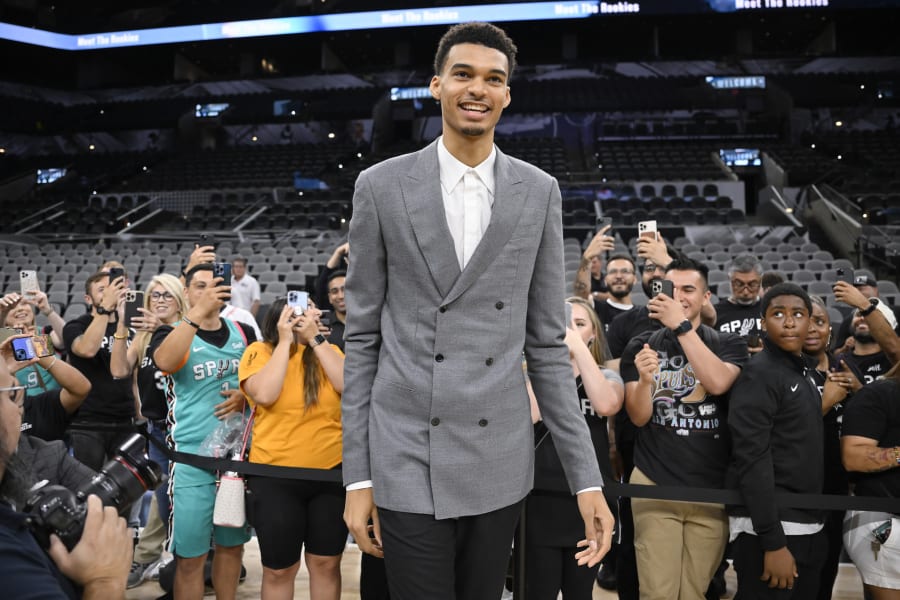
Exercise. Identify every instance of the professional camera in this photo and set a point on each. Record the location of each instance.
(121, 481)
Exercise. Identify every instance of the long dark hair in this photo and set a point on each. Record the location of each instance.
(312, 369)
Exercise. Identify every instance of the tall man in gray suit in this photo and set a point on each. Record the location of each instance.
(457, 270)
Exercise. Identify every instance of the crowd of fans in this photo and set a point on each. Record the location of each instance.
(758, 393)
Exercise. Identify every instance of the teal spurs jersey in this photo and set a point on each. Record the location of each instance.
(193, 391)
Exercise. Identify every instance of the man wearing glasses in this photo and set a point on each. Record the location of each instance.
(619, 281)
(739, 313)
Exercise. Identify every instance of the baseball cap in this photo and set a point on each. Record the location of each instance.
(864, 280)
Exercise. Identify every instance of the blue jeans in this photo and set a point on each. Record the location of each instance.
(157, 456)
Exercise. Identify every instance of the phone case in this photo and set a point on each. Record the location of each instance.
(134, 300)
(23, 349)
(28, 282)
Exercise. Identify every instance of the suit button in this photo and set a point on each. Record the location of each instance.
(482, 423)
(435, 421)
(439, 358)
(489, 362)
(442, 309)
(499, 306)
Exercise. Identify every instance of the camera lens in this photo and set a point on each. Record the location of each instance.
(126, 477)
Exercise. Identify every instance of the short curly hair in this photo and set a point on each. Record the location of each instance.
(484, 34)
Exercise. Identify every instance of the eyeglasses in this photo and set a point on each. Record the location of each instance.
(157, 296)
(651, 268)
(623, 272)
(336, 290)
(14, 396)
(737, 284)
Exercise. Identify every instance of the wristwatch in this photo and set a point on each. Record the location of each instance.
(873, 304)
(319, 339)
(103, 311)
(683, 328)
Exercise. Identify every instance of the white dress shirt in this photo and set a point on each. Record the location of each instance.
(468, 195)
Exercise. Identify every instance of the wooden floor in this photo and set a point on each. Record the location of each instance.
(847, 587)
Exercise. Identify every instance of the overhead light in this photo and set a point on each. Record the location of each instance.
(330, 135)
(91, 147)
(813, 146)
(838, 123)
(254, 138)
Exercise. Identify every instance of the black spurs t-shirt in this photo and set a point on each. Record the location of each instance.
(836, 480)
(45, 416)
(738, 319)
(151, 388)
(867, 368)
(686, 441)
(109, 399)
(875, 414)
(607, 312)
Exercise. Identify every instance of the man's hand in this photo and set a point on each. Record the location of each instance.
(666, 310)
(213, 299)
(114, 294)
(846, 378)
(647, 363)
(850, 295)
(598, 528)
(201, 255)
(233, 403)
(779, 568)
(654, 250)
(103, 554)
(338, 258)
(359, 508)
(600, 243)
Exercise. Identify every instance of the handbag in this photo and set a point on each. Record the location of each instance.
(229, 509)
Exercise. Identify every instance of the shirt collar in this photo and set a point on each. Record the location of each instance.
(452, 169)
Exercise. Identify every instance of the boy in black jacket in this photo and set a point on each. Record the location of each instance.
(775, 420)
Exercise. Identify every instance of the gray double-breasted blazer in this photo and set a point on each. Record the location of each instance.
(435, 410)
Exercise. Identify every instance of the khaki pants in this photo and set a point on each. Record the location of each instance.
(153, 536)
(678, 545)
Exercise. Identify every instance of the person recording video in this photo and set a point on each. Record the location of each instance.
(97, 565)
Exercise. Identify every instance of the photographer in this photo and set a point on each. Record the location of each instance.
(99, 562)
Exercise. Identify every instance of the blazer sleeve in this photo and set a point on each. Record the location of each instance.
(548, 356)
(365, 296)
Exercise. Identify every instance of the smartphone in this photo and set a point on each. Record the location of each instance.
(222, 270)
(28, 282)
(662, 286)
(753, 339)
(42, 346)
(647, 229)
(844, 275)
(115, 273)
(325, 318)
(23, 348)
(604, 222)
(299, 301)
(8, 332)
(134, 300)
(207, 239)
(569, 315)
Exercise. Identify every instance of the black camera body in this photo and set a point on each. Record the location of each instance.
(54, 509)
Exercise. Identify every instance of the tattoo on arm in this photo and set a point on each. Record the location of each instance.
(881, 459)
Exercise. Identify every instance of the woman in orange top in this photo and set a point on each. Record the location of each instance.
(294, 379)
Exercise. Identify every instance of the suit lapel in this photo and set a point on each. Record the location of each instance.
(421, 189)
(505, 213)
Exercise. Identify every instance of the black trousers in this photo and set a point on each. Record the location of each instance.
(447, 559)
(809, 554)
(94, 448)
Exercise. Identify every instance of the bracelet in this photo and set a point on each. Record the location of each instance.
(867, 311)
(50, 366)
(189, 322)
(120, 337)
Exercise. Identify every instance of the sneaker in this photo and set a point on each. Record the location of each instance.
(138, 573)
(152, 572)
